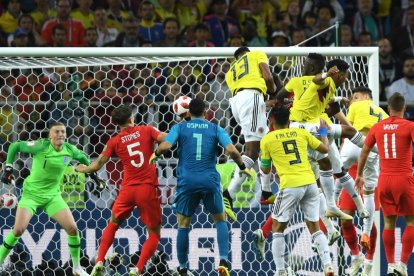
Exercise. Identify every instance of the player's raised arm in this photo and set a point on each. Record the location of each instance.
(319, 79)
(267, 76)
(94, 166)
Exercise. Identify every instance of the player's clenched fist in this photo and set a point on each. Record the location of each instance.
(247, 172)
(7, 176)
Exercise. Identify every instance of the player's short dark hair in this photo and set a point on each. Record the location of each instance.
(240, 51)
(121, 114)
(57, 123)
(197, 107)
(396, 102)
(363, 90)
(280, 115)
(341, 64)
(318, 60)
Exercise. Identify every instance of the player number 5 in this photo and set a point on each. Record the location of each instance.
(133, 153)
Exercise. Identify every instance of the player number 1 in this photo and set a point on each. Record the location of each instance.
(133, 153)
(199, 138)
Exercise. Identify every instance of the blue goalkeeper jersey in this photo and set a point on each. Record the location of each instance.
(197, 152)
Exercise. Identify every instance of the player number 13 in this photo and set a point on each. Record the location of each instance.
(133, 153)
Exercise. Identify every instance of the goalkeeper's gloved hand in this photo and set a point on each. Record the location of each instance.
(267, 198)
(245, 171)
(98, 185)
(155, 157)
(7, 176)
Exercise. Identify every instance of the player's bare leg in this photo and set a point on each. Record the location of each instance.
(249, 157)
(65, 219)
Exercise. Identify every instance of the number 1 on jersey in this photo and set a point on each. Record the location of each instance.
(393, 146)
(199, 138)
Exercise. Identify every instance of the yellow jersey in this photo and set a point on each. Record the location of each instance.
(245, 72)
(298, 86)
(365, 114)
(313, 102)
(288, 150)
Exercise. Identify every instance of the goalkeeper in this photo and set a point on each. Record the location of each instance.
(41, 189)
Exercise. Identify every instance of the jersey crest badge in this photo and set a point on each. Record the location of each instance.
(65, 159)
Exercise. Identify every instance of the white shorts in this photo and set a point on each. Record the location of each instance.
(350, 154)
(288, 199)
(249, 110)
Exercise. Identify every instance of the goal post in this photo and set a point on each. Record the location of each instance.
(81, 86)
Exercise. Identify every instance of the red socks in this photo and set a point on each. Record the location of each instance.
(388, 238)
(350, 237)
(148, 249)
(267, 227)
(372, 243)
(407, 244)
(106, 241)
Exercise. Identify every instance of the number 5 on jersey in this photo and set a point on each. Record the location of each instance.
(133, 152)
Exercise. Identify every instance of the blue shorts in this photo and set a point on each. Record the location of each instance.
(186, 203)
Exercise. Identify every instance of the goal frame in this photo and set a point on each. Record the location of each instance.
(370, 52)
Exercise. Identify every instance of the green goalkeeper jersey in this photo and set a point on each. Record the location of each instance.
(48, 165)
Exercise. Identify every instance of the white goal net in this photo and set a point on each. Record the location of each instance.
(80, 87)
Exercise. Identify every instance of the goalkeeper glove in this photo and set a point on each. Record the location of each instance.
(99, 185)
(155, 157)
(7, 176)
(245, 171)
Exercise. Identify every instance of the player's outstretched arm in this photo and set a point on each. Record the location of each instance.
(320, 78)
(267, 76)
(158, 152)
(236, 156)
(94, 166)
(161, 137)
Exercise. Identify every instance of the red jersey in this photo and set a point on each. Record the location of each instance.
(394, 137)
(134, 146)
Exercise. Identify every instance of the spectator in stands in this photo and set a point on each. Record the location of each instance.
(249, 32)
(366, 20)
(165, 9)
(401, 38)
(346, 36)
(25, 22)
(130, 36)
(221, 25)
(105, 33)
(405, 85)
(388, 67)
(58, 35)
(310, 19)
(191, 12)
(236, 41)
(117, 16)
(292, 17)
(325, 16)
(91, 37)
(9, 18)
(202, 32)
(261, 13)
(365, 40)
(171, 34)
(83, 13)
(75, 32)
(42, 13)
(149, 29)
(336, 10)
(20, 38)
(298, 36)
(279, 39)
